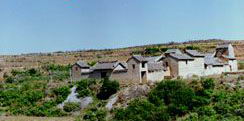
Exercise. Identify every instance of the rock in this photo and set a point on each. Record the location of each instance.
(111, 102)
(85, 102)
(133, 92)
(72, 97)
(124, 96)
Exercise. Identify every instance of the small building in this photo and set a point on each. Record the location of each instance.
(174, 63)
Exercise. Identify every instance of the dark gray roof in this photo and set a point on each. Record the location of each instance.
(194, 53)
(209, 59)
(154, 58)
(181, 56)
(139, 58)
(177, 51)
(108, 65)
(82, 64)
(105, 65)
(155, 66)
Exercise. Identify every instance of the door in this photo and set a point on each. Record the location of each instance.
(144, 77)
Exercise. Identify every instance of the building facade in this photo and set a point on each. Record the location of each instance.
(174, 63)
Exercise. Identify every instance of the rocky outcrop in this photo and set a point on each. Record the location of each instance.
(85, 102)
(124, 96)
(73, 98)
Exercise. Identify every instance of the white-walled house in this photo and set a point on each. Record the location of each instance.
(174, 63)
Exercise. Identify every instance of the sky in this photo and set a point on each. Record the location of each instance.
(30, 26)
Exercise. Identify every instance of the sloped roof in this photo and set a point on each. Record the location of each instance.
(181, 56)
(139, 58)
(82, 64)
(124, 64)
(209, 59)
(108, 65)
(194, 53)
(177, 51)
(155, 66)
(154, 58)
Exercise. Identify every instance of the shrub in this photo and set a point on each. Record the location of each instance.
(95, 115)
(174, 91)
(152, 51)
(61, 93)
(83, 87)
(191, 47)
(10, 80)
(71, 107)
(206, 110)
(142, 110)
(208, 83)
(164, 49)
(108, 88)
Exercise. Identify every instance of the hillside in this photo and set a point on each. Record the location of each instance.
(36, 59)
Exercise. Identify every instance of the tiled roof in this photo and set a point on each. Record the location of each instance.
(139, 58)
(82, 64)
(209, 59)
(154, 58)
(194, 53)
(105, 65)
(155, 66)
(108, 65)
(177, 51)
(181, 56)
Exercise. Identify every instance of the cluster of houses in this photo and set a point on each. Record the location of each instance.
(172, 64)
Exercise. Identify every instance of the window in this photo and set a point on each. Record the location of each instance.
(167, 64)
(143, 65)
(205, 66)
(186, 62)
(133, 66)
(76, 68)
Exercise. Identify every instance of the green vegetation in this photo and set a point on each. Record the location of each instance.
(108, 89)
(192, 47)
(176, 100)
(32, 92)
(26, 92)
(71, 107)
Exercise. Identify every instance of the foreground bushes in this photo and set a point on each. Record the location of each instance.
(176, 100)
(142, 110)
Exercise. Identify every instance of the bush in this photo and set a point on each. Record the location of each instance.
(83, 87)
(10, 80)
(61, 93)
(71, 107)
(191, 47)
(95, 115)
(142, 110)
(208, 83)
(108, 88)
(206, 110)
(164, 49)
(152, 51)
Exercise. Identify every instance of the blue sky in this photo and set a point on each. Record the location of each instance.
(51, 25)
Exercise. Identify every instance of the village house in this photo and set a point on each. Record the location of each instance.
(174, 63)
